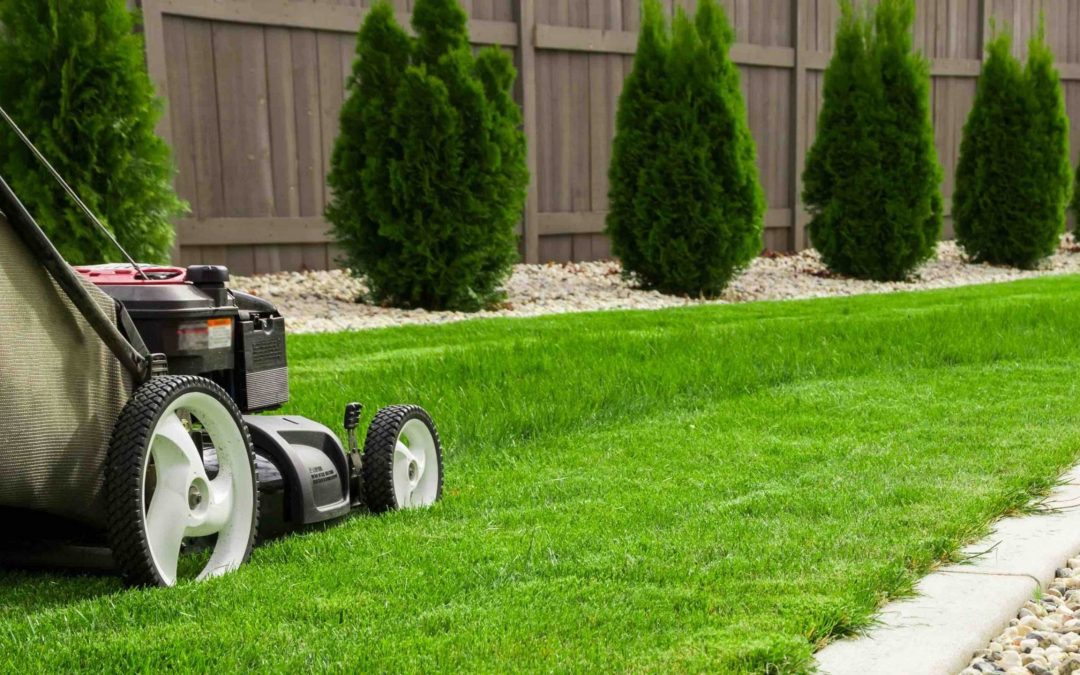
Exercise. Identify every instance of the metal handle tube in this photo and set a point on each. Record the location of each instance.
(71, 192)
(32, 235)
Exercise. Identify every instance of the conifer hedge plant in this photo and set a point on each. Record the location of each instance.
(1014, 179)
(73, 76)
(428, 172)
(687, 208)
(872, 181)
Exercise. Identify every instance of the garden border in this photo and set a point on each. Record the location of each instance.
(961, 608)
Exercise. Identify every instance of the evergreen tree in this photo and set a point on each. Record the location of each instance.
(687, 205)
(1050, 138)
(1013, 180)
(428, 172)
(73, 75)
(872, 180)
(360, 178)
(639, 123)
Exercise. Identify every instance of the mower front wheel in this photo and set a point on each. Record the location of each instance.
(161, 499)
(403, 467)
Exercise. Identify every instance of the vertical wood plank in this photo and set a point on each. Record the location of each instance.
(267, 259)
(799, 123)
(985, 15)
(307, 106)
(527, 34)
(154, 35)
(153, 27)
(283, 152)
(1073, 55)
(942, 29)
(214, 255)
(290, 258)
(559, 249)
(600, 133)
(331, 95)
(190, 255)
(314, 257)
(183, 118)
(240, 259)
(579, 132)
(281, 98)
(562, 136)
(244, 119)
(206, 143)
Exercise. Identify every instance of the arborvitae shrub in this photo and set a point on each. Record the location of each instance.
(638, 127)
(687, 206)
(1013, 180)
(428, 172)
(872, 179)
(73, 75)
(1051, 135)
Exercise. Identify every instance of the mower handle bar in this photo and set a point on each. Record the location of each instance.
(33, 236)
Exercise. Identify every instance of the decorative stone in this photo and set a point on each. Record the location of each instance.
(1044, 639)
(314, 302)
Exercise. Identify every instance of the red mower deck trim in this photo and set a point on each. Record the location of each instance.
(124, 275)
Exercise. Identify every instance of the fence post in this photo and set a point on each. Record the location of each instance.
(527, 41)
(799, 124)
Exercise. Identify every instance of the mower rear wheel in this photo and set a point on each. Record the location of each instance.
(161, 502)
(403, 467)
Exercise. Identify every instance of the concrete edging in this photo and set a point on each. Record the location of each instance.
(961, 608)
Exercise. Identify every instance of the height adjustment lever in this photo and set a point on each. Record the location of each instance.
(356, 460)
(352, 421)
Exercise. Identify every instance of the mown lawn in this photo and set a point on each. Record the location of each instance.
(717, 488)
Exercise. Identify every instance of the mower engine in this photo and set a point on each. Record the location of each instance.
(204, 328)
(304, 474)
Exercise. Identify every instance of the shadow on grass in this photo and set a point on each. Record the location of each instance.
(25, 592)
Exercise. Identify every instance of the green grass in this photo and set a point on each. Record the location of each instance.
(715, 488)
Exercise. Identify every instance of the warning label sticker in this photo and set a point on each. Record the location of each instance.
(219, 333)
(202, 335)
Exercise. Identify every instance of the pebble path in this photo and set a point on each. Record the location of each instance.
(1044, 639)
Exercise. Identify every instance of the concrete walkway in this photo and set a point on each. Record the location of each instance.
(960, 608)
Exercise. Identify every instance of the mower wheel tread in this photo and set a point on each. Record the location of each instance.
(123, 489)
(378, 469)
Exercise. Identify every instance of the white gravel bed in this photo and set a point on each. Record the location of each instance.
(1044, 639)
(326, 301)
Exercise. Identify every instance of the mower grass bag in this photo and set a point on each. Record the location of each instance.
(61, 393)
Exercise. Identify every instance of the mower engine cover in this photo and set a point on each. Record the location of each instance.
(205, 329)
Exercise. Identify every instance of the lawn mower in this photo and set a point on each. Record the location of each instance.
(132, 409)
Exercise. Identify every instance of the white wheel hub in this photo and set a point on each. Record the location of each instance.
(416, 466)
(184, 501)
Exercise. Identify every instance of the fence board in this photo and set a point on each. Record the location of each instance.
(256, 87)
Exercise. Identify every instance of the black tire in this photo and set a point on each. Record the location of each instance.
(124, 476)
(382, 437)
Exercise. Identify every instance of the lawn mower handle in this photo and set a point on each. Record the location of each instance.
(33, 236)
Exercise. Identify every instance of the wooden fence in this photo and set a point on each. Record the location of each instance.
(254, 88)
